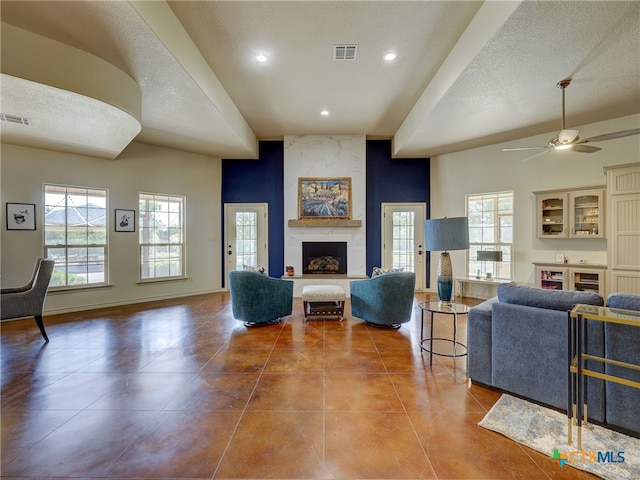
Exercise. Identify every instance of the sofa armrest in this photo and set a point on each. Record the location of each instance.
(479, 341)
(625, 301)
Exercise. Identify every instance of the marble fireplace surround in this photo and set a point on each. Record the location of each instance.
(325, 156)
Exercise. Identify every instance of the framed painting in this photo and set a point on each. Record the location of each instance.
(21, 216)
(324, 197)
(125, 220)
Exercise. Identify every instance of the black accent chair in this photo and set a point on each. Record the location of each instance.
(29, 299)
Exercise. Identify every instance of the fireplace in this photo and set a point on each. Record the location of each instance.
(323, 258)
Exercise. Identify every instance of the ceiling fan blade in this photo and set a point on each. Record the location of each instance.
(612, 135)
(517, 149)
(537, 155)
(584, 148)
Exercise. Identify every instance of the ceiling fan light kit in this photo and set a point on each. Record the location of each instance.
(569, 139)
(561, 146)
(568, 136)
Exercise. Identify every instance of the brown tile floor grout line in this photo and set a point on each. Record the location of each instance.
(244, 409)
(406, 412)
(324, 400)
(130, 444)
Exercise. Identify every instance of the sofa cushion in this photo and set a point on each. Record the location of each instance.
(625, 301)
(544, 298)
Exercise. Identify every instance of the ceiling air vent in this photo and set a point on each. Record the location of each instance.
(15, 119)
(345, 52)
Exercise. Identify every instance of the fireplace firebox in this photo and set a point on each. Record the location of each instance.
(322, 258)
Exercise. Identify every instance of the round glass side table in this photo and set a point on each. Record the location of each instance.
(445, 308)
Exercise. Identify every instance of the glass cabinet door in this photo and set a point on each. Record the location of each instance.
(586, 214)
(587, 280)
(551, 215)
(552, 278)
(570, 213)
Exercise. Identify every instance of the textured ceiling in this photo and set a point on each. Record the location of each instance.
(467, 73)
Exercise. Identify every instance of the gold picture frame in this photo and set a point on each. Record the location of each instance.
(324, 197)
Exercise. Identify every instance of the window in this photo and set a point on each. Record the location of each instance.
(161, 222)
(246, 239)
(75, 234)
(403, 240)
(490, 228)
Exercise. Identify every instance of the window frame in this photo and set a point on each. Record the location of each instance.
(144, 229)
(472, 264)
(48, 248)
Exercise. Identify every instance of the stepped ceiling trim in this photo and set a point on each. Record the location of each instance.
(467, 73)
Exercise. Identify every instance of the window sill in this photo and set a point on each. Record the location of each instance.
(70, 289)
(151, 281)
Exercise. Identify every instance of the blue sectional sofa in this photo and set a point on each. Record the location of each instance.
(517, 342)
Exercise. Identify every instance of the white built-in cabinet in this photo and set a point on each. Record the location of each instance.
(571, 277)
(623, 224)
(574, 213)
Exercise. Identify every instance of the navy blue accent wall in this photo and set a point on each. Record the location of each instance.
(391, 180)
(260, 181)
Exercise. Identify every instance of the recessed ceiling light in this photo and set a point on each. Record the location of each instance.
(324, 113)
(261, 58)
(390, 56)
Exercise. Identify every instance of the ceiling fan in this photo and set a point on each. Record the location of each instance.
(569, 139)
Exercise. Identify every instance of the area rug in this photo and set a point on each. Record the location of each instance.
(608, 454)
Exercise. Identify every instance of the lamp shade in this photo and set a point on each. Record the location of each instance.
(490, 255)
(446, 234)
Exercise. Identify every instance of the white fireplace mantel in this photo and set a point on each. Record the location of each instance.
(324, 222)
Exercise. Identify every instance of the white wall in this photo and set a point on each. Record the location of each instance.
(140, 167)
(488, 169)
(144, 167)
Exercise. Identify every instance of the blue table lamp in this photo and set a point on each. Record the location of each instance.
(445, 234)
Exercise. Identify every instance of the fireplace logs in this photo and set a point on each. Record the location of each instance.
(320, 258)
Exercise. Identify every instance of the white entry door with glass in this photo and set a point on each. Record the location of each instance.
(246, 236)
(403, 238)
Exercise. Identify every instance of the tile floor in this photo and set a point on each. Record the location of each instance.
(180, 389)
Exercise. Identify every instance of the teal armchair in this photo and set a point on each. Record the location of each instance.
(384, 300)
(257, 299)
